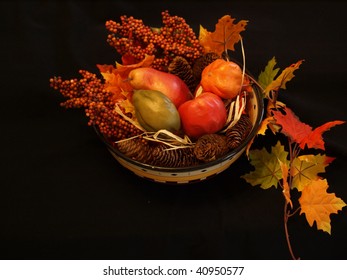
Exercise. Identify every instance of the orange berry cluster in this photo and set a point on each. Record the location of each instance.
(89, 93)
(132, 38)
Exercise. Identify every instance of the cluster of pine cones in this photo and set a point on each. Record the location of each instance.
(208, 148)
(191, 74)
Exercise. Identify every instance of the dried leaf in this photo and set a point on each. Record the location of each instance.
(317, 204)
(300, 132)
(225, 36)
(267, 171)
(305, 169)
(285, 76)
(267, 76)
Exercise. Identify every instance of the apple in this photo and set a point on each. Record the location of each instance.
(202, 115)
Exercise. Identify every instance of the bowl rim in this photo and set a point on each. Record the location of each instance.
(258, 95)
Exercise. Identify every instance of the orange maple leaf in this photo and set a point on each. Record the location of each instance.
(317, 204)
(300, 132)
(114, 82)
(124, 70)
(116, 77)
(225, 36)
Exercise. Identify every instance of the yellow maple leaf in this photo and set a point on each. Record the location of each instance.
(285, 76)
(304, 169)
(128, 107)
(264, 125)
(225, 36)
(317, 204)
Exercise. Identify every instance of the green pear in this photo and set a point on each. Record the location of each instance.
(155, 111)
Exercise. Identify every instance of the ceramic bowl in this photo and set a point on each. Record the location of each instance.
(196, 173)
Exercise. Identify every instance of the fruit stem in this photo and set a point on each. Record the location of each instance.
(127, 80)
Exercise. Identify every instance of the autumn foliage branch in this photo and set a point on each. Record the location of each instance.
(287, 166)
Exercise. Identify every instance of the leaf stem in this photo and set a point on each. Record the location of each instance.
(287, 215)
(294, 212)
(296, 150)
(291, 158)
(293, 153)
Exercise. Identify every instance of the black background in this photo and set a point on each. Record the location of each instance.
(63, 196)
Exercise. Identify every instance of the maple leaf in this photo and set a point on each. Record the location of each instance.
(286, 187)
(114, 82)
(305, 169)
(225, 36)
(264, 125)
(314, 139)
(105, 68)
(267, 122)
(267, 76)
(317, 204)
(291, 125)
(128, 107)
(286, 75)
(116, 77)
(300, 132)
(124, 70)
(267, 171)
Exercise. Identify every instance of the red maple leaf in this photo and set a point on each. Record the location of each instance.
(302, 133)
(291, 125)
(314, 139)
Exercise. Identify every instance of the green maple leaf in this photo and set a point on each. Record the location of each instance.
(268, 75)
(267, 166)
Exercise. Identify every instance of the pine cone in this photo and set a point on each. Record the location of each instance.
(238, 132)
(181, 68)
(202, 62)
(136, 149)
(210, 147)
(163, 157)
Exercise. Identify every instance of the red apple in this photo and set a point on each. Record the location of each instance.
(204, 114)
